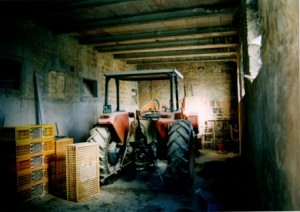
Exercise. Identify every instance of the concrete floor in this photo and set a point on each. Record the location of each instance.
(217, 187)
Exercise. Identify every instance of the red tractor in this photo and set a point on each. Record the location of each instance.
(144, 136)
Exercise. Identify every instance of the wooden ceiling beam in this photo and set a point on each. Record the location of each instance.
(95, 23)
(183, 60)
(178, 54)
(175, 48)
(167, 35)
(173, 45)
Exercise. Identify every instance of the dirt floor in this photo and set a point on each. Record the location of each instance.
(217, 187)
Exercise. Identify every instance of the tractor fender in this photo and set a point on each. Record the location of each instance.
(118, 121)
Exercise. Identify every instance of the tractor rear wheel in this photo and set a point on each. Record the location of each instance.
(109, 152)
(181, 155)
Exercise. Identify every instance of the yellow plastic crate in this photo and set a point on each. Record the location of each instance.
(61, 147)
(33, 191)
(11, 149)
(27, 163)
(31, 177)
(48, 146)
(31, 148)
(58, 186)
(29, 132)
(82, 170)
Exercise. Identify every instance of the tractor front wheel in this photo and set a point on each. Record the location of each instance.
(181, 155)
(109, 151)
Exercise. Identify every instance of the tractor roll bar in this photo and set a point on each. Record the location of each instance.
(143, 75)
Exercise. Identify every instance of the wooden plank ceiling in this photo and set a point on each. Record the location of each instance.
(143, 31)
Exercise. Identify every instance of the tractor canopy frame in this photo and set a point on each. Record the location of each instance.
(144, 75)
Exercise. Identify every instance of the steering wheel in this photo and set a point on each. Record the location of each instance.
(152, 112)
(158, 105)
(150, 115)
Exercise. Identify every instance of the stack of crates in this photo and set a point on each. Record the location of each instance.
(82, 171)
(26, 160)
(58, 184)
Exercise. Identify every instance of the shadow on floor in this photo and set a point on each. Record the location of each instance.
(217, 187)
(219, 183)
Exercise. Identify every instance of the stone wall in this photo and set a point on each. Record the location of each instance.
(271, 146)
(212, 84)
(66, 72)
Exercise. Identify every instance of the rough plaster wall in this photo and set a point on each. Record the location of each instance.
(272, 144)
(253, 41)
(214, 83)
(59, 61)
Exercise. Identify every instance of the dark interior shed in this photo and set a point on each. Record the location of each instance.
(239, 59)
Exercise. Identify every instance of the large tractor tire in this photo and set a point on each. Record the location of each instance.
(109, 152)
(180, 154)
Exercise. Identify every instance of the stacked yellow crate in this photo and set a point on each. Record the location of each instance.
(27, 160)
(58, 185)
